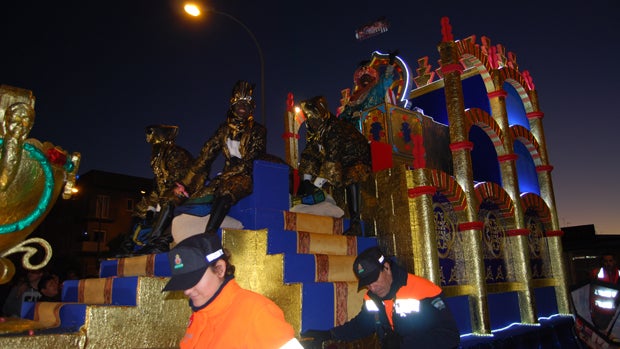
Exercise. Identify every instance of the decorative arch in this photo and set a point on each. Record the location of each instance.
(520, 133)
(444, 184)
(482, 119)
(516, 80)
(497, 194)
(536, 203)
(448, 187)
(477, 55)
(474, 55)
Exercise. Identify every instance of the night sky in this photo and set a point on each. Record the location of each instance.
(103, 70)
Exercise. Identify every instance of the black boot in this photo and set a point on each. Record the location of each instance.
(354, 201)
(161, 235)
(219, 210)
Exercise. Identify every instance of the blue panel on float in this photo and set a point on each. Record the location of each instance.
(72, 315)
(503, 309)
(299, 268)
(260, 218)
(162, 266)
(268, 189)
(317, 306)
(546, 301)
(125, 290)
(459, 306)
(282, 241)
(365, 243)
(70, 291)
(108, 268)
(27, 310)
(278, 239)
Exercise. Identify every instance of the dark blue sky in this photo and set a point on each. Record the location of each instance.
(103, 70)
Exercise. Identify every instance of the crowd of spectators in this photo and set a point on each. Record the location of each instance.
(43, 285)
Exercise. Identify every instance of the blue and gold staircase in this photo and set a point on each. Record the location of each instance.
(301, 261)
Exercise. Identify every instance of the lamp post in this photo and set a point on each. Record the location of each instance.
(194, 10)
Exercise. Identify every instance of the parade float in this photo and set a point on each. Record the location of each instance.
(461, 194)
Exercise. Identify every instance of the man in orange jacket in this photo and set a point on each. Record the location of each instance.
(404, 310)
(224, 314)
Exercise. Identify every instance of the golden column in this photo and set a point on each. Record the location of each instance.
(554, 237)
(461, 157)
(420, 192)
(518, 234)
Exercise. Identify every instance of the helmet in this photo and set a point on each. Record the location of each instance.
(241, 99)
(242, 91)
(316, 111)
(160, 133)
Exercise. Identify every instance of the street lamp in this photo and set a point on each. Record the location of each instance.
(195, 10)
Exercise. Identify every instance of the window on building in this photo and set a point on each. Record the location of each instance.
(102, 207)
(99, 236)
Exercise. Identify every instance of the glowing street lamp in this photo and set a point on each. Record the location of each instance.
(195, 10)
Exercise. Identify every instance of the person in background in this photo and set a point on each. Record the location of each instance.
(224, 314)
(608, 272)
(241, 140)
(604, 297)
(49, 288)
(23, 291)
(404, 310)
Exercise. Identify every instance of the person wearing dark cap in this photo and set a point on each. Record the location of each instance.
(224, 314)
(404, 310)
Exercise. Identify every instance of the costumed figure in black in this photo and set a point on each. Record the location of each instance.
(335, 153)
(170, 164)
(241, 140)
(369, 90)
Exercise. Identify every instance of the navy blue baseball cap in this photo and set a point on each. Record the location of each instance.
(190, 258)
(368, 266)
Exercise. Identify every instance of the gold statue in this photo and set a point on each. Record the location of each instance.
(170, 164)
(335, 153)
(241, 140)
(32, 176)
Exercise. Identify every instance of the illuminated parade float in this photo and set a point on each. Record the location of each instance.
(461, 194)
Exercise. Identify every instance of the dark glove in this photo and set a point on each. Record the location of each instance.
(311, 339)
(149, 217)
(306, 188)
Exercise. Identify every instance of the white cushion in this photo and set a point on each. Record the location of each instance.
(186, 225)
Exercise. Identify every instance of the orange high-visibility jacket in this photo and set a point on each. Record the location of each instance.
(239, 318)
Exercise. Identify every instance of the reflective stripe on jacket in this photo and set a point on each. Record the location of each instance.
(611, 278)
(417, 314)
(407, 300)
